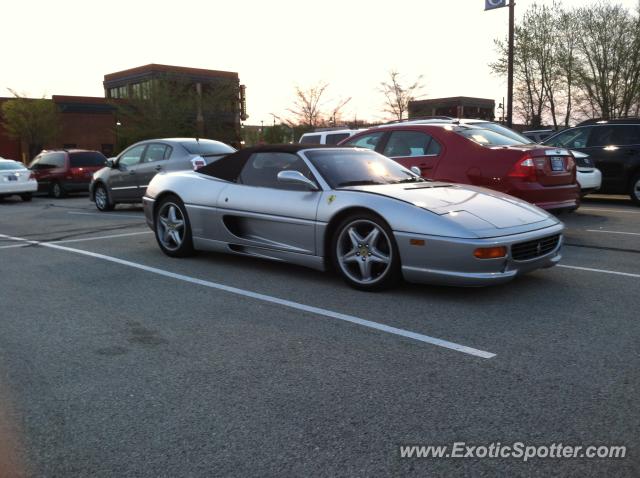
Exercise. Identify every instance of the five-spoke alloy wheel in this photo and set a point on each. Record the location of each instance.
(365, 253)
(172, 228)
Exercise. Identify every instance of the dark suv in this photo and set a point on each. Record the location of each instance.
(614, 147)
(62, 171)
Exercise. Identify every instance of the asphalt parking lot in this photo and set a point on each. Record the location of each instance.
(116, 360)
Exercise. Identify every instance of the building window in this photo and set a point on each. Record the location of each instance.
(136, 90)
(113, 93)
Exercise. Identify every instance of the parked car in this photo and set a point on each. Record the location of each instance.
(62, 171)
(469, 154)
(614, 147)
(539, 135)
(16, 179)
(588, 176)
(126, 177)
(356, 210)
(333, 136)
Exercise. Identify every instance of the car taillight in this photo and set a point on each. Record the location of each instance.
(524, 169)
(198, 163)
(31, 176)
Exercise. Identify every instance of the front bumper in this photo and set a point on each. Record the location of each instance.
(147, 207)
(450, 261)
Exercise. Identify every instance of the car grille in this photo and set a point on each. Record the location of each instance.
(525, 251)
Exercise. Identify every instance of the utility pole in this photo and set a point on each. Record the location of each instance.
(492, 5)
(512, 4)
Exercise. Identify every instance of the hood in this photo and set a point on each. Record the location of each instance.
(473, 206)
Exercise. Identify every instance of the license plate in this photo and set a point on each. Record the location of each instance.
(557, 164)
(12, 178)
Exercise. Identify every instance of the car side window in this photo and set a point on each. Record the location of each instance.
(132, 155)
(369, 141)
(573, 138)
(156, 152)
(310, 139)
(601, 136)
(407, 143)
(335, 138)
(262, 170)
(626, 134)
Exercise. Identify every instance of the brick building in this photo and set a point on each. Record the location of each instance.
(85, 122)
(455, 106)
(91, 122)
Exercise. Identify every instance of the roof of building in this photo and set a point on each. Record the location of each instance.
(154, 68)
(453, 99)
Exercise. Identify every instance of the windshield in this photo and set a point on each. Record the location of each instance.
(10, 166)
(508, 132)
(485, 137)
(207, 148)
(343, 168)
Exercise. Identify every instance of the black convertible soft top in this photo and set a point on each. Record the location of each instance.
(229, 167)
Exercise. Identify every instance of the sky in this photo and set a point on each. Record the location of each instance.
(65, 47)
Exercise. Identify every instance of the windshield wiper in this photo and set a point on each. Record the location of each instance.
(361, 182)
(413, 179)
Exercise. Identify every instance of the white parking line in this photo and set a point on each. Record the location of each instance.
(603, 271)
(607, 210)
(140, 216)
(80, 239)
(614, 232)
(274, 300)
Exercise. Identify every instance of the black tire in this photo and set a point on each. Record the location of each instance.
(164, 230)
(26, 197)
(56, 190)
(634, 190)
(371, 273)
(102, 199)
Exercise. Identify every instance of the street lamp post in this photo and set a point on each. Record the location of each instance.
(512, 4)
(491, 5)
(118, 124)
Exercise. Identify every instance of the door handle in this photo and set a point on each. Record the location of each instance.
(158, 168)
(132, 172)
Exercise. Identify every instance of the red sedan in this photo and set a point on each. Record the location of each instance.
(470, 154)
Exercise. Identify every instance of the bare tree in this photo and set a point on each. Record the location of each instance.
(309, 109)
(306, 109)
(609, 52)
(397, 95)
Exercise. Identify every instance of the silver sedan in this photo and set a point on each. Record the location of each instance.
(350, 209)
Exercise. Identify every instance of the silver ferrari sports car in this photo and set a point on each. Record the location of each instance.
(352, 209)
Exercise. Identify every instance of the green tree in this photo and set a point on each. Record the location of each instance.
(34, 122)
(171, 107)
(276, 134)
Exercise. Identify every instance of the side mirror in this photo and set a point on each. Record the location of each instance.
(111, 163)
(296, 177)
(416, 170)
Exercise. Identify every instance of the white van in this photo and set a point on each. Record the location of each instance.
(333, 136)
